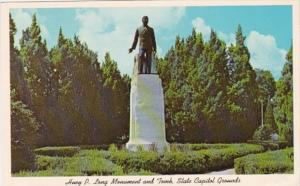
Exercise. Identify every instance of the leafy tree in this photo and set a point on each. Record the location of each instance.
(266, 85)
(284, 100)
(243, 91)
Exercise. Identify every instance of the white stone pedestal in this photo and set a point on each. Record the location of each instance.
(147, 120)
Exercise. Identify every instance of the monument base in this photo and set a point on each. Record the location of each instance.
(159, 147)
(147, 115)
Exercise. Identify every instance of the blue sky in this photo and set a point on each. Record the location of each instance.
(268, 29)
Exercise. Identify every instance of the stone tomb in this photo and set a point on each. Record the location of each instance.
(147, 119)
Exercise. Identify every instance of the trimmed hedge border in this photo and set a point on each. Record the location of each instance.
(271, 162)
(57, 151)
(182, 162)
(270, 145)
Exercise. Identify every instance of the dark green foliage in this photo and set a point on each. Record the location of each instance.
(116, 100)
(269, 117)
(266, 86)
(211, 92)
(203, 146)
(37, 67)
(141, 160)
(24, 125)
(270, 144)
(283, 110)
(272, 162)
(182, 163)
(75, 101)
(23, 136)
(265, 131)
(243, 91)
(57, 151)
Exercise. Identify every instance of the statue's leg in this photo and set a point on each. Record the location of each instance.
(149, 61)
(148, 64)
(141, 61)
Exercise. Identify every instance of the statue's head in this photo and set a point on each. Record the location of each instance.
(145, 20)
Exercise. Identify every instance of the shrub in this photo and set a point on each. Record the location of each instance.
(203, 146)
(97, 147)
(269, 144)
(177, 162)
(92, 162)
(217, 159)
(135, 161)
(86, 162)
(57, 151)
(48, 162)
(280, 161)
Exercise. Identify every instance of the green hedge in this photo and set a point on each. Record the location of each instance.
(204, 146)
(134, 162)
(57, 151)
(270, 145)
(183, 162)
(84, 163)
(280, 161)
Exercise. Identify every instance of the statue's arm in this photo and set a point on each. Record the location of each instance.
(136, 37)
(153, 40)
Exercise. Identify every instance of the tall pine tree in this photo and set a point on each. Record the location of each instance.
(284, 100)
(243, 91)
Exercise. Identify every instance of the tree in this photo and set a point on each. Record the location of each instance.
(35, 57)
(17, 75)
(24, 129)
(23, 124)
(266, 85)
(117, 90)
(269, 126)
(243, 91)
(284, 100)
(269, 117)
(214, 80)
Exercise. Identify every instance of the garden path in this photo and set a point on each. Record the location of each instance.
(224, 172)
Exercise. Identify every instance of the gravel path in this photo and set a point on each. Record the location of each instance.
(224, 172)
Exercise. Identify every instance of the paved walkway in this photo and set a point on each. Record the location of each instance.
(223, 172)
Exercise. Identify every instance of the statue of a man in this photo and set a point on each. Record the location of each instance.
(147, 45)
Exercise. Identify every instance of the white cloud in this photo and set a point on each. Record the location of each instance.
(265, 53)
(200, 26)
(228, 38)
(107, 30)
(23, 19)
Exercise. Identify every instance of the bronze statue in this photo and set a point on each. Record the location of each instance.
(147, 45)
